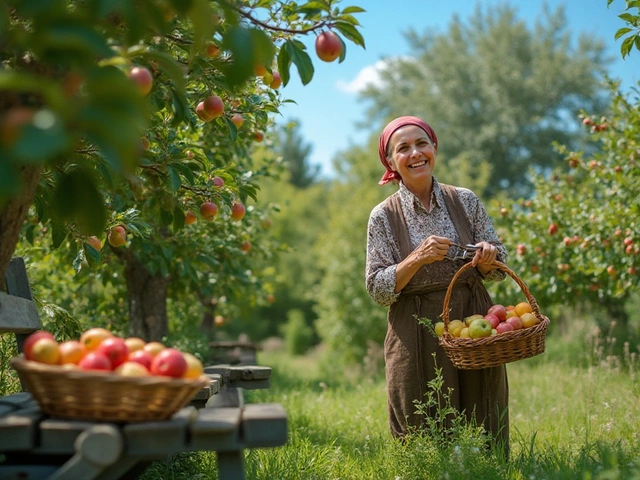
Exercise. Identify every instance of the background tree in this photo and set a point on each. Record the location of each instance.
(496, 90)
(295, 155)
(102, 124)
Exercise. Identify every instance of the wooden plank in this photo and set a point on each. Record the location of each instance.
(216, 429)
(18, 430)
(264, 425)
(18, 315)
(58, 436)
(30, 472)
(16, 279)
(231, 465)
(250, 384)
(249, 372)
(150, 440)
(16, 401)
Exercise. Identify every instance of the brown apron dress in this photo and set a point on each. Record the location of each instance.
(408, 346)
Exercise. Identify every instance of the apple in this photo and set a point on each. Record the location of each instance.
(142, 357)
(471, 318)
(154, 348)
(521, 249)
(134, 344)
(117, 236)
(553, 228)
(258, 136)
(259, 70)
(494, 332)
(464, 333)
(94, 242)
(71, 351)
(33, 338)
(493, 319)
(190, 217)
(528, 320)
(208, 210)
(439, 328)
(271, 298)
(95, 361)
(195, 368)
(202, 115)
(169, 363)
(93, 337)
(131, 369)
(143, 78)
(480, 328)
(237, 120)
(499, 311)
(212, 50)
(237, 211)
(115, 349)
(219, 320)
(515, 322)
(277, 80)
(455, 327)
(213, 106)
(218, 181)
(504, 327)
(328, 46)
(522, 308)
(45, 350)
(246, 246)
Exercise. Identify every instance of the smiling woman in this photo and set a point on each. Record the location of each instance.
(409, 269)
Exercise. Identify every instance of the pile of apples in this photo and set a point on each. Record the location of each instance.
(498, 320)
(100, 350)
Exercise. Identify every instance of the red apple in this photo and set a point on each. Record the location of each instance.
(237, 211)
(117, 236)
(142, 357)
(33, 338)
(237, 120)
(202, 115)
(258, 136)
(277, 80)
(212, 50)
(553, 228)
(218, 181)
(143, 78)
(94, 242)
(95, 361)
(492, 319)
(515, 322)
(328, 46)
(504, 327)
(190, 217)
(208, 210)
(213, 106)
(499, 311)
(521, 249)
(115, 349)
(246, 246)
(169, 363)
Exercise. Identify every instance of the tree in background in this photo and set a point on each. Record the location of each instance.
(130, 121)
(293, 150)
(496, 91)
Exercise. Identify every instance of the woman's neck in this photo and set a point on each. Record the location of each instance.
(422, 191)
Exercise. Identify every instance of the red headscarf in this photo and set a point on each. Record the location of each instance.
(385, 136)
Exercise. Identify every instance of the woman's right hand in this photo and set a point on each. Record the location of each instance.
(432, 249)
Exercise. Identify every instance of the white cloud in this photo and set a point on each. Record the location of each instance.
(369, 75)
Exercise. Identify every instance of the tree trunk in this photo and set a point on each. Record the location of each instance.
(13, 214)
(147, 300)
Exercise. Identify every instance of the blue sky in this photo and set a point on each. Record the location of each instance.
(328, 108)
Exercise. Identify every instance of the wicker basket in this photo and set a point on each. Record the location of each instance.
(104, 396)
(476, 353)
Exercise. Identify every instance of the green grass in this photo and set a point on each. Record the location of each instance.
(567, 422)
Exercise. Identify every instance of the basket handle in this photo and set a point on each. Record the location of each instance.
(499, 266)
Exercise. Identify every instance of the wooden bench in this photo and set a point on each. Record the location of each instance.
(38, 446)
(234, 352)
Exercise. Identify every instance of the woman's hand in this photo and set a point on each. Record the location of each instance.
(432, 249)
(485, 257)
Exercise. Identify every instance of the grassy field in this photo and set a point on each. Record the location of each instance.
(575, 414)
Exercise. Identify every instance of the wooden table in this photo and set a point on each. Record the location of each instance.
(37, 446)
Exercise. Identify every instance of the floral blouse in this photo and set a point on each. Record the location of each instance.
(383, 252)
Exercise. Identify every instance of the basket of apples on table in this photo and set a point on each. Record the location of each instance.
(103, 377)
(498, 336)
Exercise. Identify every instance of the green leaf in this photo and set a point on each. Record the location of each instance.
(169, 65)
(92, 255)
(284, 63)
(175, 182)
(37, 145)
(315, 5)
(627, 17)
(355, 9)
(80, 38)
(625, 48)
(233, 130)
(58, 234)
(178, 219)
(350, 32)
(185, 171)
(77, 262)
(78, 199)
(621, 32)
(249, 47)
(349, 19)
(301, 60)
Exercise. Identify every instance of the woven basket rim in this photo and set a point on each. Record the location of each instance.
(109, 377)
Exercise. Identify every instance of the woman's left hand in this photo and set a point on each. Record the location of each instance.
(485, 256)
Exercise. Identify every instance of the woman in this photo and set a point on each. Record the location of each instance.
(409, 235)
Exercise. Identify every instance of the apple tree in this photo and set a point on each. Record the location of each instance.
(577, 240)
(127, 121)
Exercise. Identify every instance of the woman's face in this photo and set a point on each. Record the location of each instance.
(412, 154)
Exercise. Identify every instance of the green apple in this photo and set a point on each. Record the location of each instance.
(471, 318)
(480, 328)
